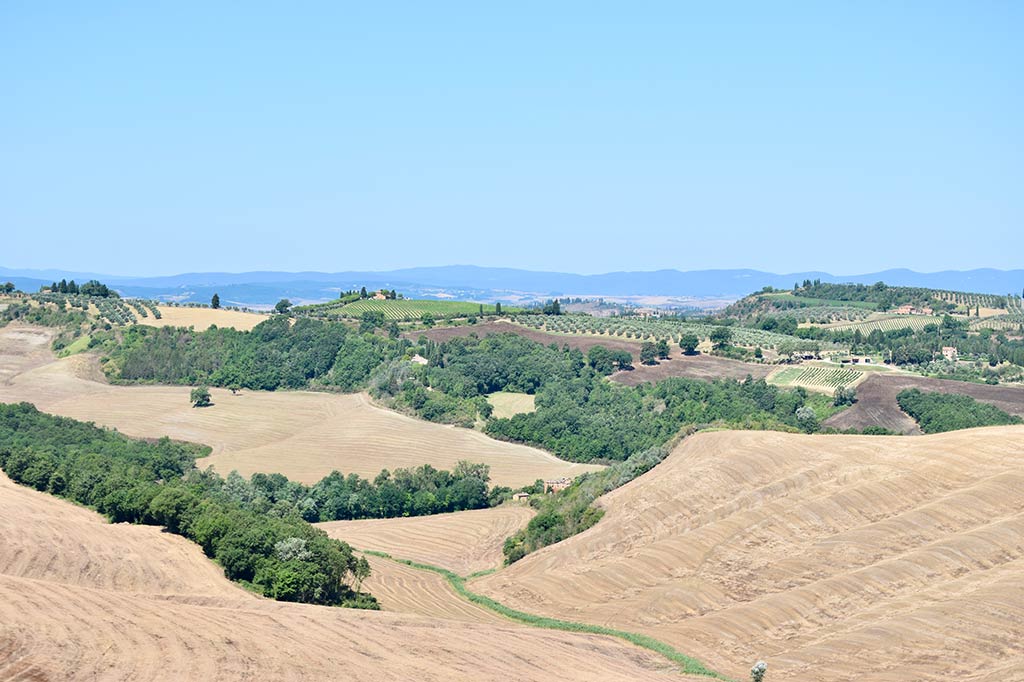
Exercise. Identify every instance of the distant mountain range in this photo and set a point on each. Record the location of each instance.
(467, 282)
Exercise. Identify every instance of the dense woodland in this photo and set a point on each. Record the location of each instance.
(938, 412)
(403, 492)
(156, 483)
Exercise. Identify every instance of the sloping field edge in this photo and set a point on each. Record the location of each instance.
(689, 665)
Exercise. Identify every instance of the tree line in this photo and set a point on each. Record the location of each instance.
(156, 483)
(939, 412)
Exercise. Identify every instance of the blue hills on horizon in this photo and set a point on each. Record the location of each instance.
(468, 282)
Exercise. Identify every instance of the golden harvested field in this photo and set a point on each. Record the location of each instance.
(81, 599)
(830, 557)
(507, 404)
(303, 435)
(404, 589)
(464, 542)
(202, 318)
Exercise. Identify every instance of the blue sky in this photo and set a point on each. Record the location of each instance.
(154, 138)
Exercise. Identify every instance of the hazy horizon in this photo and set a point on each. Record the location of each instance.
(187, 138)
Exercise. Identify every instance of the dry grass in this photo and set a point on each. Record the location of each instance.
(202, 318)
(463, 542)
(303, 435)
(832, 557)
(507, 404)
(84, 600)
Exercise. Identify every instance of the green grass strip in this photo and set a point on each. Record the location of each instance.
(688, 664)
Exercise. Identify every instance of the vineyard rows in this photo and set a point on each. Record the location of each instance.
(399, 309)
(1013, 322)
(889, 324)
(816, 377)
(650, 330)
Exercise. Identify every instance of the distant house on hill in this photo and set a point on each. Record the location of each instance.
(904, 309)
(950, 353)
(419, 359)
(520, 497)
(380, 296)
(553, 486)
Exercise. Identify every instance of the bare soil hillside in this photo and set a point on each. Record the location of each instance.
(702, 366)
(132, 603)
(876, 401)
(464, 542)
(831, 557)
(301, 434)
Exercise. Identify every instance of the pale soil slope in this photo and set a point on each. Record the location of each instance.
(832, 557)
(202, 318)
(303, 435)
(464, 542)
(84, 600)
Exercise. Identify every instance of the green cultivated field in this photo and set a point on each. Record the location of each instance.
(404, 309)
(815, 378)
(889, 324)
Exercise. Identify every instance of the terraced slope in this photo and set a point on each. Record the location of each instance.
(464, 542)
(133, 603)
(832, 557)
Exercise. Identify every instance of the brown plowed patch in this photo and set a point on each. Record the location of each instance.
(464, 542)
(831, 557)
(301, 434)
(81, 599)
(876, 401)
(702, 366)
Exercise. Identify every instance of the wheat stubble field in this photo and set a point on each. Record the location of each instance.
(464, 542)
(301, 434)
(202, 318)
(832, 557)
(81, 599)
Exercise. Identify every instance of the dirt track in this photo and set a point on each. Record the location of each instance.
(876, 401)
(832, 557)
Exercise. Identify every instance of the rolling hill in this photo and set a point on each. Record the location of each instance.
(831, 557)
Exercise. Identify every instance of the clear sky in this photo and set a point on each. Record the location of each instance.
(160, 137)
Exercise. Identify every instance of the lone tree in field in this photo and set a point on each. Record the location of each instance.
(427, 319)
(662, 349)
(497, 308)
(758, 671)
(283, 306)
(648, 353)
(688, 343)
(200, 397)
(721, 336)
(215, 302)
